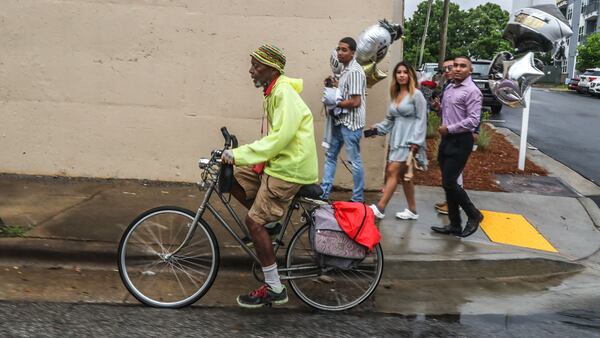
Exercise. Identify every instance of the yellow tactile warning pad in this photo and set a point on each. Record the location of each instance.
(513, 229)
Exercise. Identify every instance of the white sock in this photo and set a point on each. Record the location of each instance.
(272, 277)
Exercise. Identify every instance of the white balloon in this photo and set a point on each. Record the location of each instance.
(336, 65)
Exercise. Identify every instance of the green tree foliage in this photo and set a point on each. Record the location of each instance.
(476, 32)
(484, 26)
(589, 53)
(416, 25)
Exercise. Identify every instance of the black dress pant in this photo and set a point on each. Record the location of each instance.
(454, 151)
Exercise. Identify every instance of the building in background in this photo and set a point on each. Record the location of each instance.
(583, 18)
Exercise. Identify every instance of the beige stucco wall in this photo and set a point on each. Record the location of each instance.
(140, 88)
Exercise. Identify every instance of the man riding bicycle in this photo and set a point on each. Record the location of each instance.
(289, 155)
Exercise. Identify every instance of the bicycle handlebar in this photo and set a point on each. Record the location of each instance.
(227, 137)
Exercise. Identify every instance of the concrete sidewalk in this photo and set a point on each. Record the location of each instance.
(80, 220)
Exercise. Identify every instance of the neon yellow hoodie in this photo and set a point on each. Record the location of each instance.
(289, 149)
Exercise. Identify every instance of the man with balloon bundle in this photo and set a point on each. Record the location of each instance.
(349, 121)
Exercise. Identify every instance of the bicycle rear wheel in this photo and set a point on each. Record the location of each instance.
(327, 288)
(152, 271)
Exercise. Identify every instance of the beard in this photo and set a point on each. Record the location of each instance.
(258, 83)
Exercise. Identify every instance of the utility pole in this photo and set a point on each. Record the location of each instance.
(444, 34)
(396, 51)
(424, 34)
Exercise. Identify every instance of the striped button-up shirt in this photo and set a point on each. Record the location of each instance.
(352, 82)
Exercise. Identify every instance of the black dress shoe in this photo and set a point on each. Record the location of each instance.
(472, 226)
(448, 230)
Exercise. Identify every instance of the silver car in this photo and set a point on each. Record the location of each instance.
(586, 78)
(595, 87)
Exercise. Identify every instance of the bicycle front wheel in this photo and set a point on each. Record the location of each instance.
(328, 288)
(152, 270)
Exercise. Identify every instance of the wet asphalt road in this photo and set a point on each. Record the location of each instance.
(564, 126)
(22, 319)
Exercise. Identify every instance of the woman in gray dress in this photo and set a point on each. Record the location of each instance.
(406, 122)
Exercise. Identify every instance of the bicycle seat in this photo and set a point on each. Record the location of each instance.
(313, 191)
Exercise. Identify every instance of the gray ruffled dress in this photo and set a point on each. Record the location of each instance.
(407, 124)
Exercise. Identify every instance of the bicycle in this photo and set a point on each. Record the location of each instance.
(168, 256)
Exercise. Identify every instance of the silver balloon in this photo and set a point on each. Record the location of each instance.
(518, 75)
(559, 52)
(336, 65)
(497, 66)
(524, 71)
(373, 43)
(537, 28)
(508, 92)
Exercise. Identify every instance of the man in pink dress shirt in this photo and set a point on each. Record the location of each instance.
(462, 110)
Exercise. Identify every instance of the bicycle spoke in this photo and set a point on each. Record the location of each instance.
(188, 261)
(150, 265)
(199, 249)
(182, 279)
(189, 276)
(194, 264)
(177, 277)
(145, 243)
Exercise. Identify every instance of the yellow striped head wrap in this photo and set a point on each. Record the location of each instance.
(271, 56)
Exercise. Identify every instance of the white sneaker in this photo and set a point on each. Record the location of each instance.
(407, 214)
(376, 211)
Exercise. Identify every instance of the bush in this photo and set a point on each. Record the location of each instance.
(484, 140)
(485, 116)
(433, 123)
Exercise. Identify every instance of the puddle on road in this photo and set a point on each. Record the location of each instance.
(565, 321)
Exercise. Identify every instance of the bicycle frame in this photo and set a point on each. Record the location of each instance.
(213, 169)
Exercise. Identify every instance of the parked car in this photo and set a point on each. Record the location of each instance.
(595, 87)
(584, 79)
(573, 83)
(480, 76)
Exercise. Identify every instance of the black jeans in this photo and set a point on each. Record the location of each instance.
(454, 151)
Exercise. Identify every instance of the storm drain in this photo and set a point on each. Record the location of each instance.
(539, 185)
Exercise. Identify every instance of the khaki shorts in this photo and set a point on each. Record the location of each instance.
(271, 195)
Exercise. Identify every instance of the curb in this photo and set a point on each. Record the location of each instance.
(64, 251)
(592, 209)
(396, 267)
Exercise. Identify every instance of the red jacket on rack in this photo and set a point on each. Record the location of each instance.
(358, 222)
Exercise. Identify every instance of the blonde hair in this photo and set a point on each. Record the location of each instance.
(412, 81)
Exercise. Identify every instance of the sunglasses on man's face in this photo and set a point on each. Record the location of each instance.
(448, 68)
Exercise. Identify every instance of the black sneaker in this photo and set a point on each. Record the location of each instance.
(261, 297)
